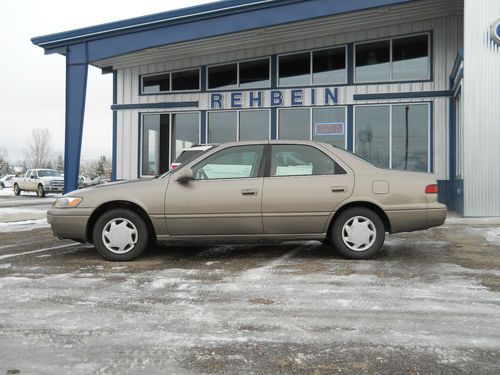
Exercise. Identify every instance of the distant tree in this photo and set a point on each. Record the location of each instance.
(4, 163)
(38, 152)
(103, 167)
(59, 163)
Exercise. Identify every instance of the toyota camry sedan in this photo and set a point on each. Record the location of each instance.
(248, 191)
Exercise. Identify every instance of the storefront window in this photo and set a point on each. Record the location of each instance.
(185, 132)
(373, 61)
(295, 69)
(294, 124)
(254, 74)
(254, 125)
(156, 83)
(186, 80)
(410, 135)
(329, 125)
(372, 134)
(223, 76)
(329, 66)
(222, 126)
(155, 134)
(410, 58)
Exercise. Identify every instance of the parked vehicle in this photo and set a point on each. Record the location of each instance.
(40, 180)
(189, 153)
(6, 181)
(247, 191)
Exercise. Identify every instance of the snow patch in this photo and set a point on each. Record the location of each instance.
(18, 226)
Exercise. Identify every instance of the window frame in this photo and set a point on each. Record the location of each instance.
(268, 58)
(260, 170)
(238, 121)
(391, 39)
(170, 91)
(311, 121)
(311, 67)
(269, 153)
(141, 130)
(390, 105)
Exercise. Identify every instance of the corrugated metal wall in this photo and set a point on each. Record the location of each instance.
(481, 110)
(446, 39)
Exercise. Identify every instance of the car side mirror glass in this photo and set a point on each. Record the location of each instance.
(186, 176)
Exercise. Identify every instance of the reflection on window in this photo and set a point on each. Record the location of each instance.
(223, 76)
(234, 162)
(186, 80)
(299, 160)
(329, 66)
(329, 125)
(373, 61)
(156, 83)
(294, 124)
(185, 132)
(155, 132)
(254, 125)
(410, 58)
(410, 137)
(222, 126)
(295, 69)
(372, 134)
(254, 74)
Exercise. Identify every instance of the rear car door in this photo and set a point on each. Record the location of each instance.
(225, 197)
(302, 187)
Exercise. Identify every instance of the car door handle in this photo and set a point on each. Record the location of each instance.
(249, 192)
(339, 189)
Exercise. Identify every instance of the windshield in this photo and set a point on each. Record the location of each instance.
(48, 173)
(192, 156)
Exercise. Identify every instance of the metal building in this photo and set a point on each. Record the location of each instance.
(408, 84)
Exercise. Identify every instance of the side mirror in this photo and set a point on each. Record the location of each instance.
(186, 176)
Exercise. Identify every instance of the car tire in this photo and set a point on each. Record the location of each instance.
(358, 233)
(40, 191)
(17, 191)
(120, 235)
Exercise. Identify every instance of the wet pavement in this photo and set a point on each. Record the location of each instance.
(429, 302)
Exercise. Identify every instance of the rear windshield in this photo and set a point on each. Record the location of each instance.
(48, 173)
(187, 155)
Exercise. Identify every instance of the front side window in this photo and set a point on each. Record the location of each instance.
(300, 160)
(233, 162)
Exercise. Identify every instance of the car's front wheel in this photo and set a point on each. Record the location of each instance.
(17, 191)
(40, 191)
(358, 233)
(120, 235)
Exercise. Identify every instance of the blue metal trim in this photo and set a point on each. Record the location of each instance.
(431, 135)
(119, 38)
(456, 64)
(203, 127)
(116, 107)
(115, 127)
(203, 78)
(404, 95)
(274, 122)
(139, 133)
(76, 88)
(350, 128)
(350, 64)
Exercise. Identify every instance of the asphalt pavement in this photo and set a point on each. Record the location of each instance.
(428, 303)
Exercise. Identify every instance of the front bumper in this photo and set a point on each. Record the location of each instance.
(53, 189)
(70, 223)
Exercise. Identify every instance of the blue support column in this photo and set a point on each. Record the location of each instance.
(76, 89)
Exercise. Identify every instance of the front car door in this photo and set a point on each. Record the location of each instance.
(302, 187)
(225, 197)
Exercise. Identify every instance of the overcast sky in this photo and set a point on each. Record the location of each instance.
(33, 85)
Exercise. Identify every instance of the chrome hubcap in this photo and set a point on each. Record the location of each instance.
(119, 235)
(359, 233)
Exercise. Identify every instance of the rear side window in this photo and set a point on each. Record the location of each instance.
(301, 160)
(187, 155)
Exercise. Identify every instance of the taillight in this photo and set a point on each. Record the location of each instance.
(431, 189)
(173, 166)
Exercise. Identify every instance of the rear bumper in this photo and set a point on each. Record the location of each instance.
(412, 220)
(70, 223)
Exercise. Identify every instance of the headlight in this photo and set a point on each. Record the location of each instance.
(66, 202)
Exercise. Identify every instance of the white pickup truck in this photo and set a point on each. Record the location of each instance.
(40, 180)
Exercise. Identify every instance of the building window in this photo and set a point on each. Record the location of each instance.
(246, 74)
(230, 126)
(185, 80)
(313, 68)
(397, 59)
(164, 136)
(394, 136)
(322, 124)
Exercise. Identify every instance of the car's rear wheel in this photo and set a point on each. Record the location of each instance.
(40, 192)
(120, 235)
(17, 191)
(358, 233)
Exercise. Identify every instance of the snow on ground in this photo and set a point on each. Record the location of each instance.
(6, 192)
(22, 225)
(492, 235)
